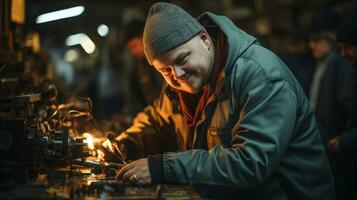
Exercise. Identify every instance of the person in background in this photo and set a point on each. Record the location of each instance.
(299, 59)
(232, 121)
(346, 142)
(110, 82)
(330, 91)
(145, 84)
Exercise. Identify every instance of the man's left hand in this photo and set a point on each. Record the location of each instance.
(334, 144)
(136, 172)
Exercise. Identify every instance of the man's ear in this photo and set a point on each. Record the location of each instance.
(205, 39)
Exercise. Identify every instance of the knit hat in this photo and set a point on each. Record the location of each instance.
(347, 31)
(167, 26)
(323, 20)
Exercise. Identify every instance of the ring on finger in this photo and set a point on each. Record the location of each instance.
(136, 178)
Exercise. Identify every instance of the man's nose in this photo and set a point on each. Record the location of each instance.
(178, 72)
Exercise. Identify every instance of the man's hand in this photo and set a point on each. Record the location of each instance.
(137, 172)
(334, 144)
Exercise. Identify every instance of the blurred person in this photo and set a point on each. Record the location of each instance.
(347, 37)
(329, 93)
(145, 84)
(220, 123)
(347, 140)
(110, 83)
(299, 59)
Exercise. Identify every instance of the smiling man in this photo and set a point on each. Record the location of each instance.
(232, 120)
(188, 67)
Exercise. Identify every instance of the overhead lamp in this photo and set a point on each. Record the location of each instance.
(60, 14)
(82, 39)
(103, 30)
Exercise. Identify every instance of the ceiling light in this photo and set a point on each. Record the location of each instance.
(60, 14)
(82, 39)
(103, 30)
(74, 39)
(87, 44)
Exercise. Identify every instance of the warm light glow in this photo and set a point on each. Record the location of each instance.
(82, 39)
(71, 55)
(60, 14)
(103, 30)
(88, 140)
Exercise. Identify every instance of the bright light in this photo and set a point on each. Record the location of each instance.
(103, 30)
(60, 14)
(82, 39)
(87, 44)
(71, 55)
(74, 39)
(88, 140)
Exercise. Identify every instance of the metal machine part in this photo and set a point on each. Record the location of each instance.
(32, 139)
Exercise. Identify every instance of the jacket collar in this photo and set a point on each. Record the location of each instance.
(238, 40)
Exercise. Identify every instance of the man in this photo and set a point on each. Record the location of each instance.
(329, 94)
(346, 143)
(347, 37)
(298, 58)
(233, 119)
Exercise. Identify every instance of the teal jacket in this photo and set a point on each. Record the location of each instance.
(257, 132)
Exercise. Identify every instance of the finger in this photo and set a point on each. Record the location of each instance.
(124, 169)
(120, 166)
(132, 179)
(129, 176)
(142, 182)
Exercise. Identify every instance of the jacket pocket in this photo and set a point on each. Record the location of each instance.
(219, 135)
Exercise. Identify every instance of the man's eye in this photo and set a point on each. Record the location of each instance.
(182, 61)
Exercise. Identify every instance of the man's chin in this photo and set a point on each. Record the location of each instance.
(189, 89)
(194, 90)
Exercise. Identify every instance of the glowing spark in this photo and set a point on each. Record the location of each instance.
(89, 140)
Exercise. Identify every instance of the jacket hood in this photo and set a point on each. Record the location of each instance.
(238, 40)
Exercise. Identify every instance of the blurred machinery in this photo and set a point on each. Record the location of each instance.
(34, 132)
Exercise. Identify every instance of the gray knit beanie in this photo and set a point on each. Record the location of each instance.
(167, 26)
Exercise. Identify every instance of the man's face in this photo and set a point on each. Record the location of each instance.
(188, 67)
(349, 52)
(319, 47)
